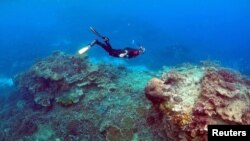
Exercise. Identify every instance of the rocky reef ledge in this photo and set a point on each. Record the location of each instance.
(64, 79)
(191, 97)
(66, 97)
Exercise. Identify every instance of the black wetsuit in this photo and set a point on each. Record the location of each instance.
(131, 52)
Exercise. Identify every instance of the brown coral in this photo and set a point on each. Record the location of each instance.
(154, 91)
(182, 119)
(171, 78)
(204, 96)
(116, 134)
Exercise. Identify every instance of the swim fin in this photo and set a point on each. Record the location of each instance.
(95, 32)
(84, 49)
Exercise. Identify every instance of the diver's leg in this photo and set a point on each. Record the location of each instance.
(108, 44)
(107, 47)
(92, 43)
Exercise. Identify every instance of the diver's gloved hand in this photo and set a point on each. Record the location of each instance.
(105, 38)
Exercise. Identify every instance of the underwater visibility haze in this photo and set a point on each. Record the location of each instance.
(194, 50)
(183, 31)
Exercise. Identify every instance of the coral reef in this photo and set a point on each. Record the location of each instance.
(61, 78)
(190, 98)
(66, 97)
(27, 128)
(70, 97)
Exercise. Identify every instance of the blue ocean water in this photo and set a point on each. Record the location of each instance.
(103, 102)
(172, 31)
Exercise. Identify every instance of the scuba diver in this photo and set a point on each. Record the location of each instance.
(121, 53)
